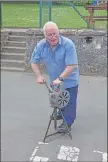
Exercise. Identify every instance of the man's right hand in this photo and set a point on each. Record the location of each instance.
(40, 80)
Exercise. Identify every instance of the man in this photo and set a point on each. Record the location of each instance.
(60, 57)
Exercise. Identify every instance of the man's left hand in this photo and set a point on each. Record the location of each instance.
(56, 82)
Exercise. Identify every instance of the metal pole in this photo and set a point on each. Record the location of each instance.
(0, 14)
(40, 14)
(50, 10)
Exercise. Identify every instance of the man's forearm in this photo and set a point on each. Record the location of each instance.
(36, 69)
(68, 70)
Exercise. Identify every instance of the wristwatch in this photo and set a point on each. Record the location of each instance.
(61, 79)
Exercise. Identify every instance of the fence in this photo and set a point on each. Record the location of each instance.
(35, 13)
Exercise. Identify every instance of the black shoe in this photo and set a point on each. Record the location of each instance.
(63, 128)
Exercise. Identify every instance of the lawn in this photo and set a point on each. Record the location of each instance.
(27, 15)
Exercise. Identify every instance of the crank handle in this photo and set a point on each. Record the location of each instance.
(49, 89)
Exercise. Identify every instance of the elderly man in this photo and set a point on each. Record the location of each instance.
(60, 58)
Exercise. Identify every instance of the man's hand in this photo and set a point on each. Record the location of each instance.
(56, 82)
(40, 79)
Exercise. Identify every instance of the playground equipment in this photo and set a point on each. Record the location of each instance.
(58, 98)
(90, 5)
(46, 10)
(60, 12)
(100, 5)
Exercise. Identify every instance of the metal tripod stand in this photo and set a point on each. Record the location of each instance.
(58, 98)
(54, 113)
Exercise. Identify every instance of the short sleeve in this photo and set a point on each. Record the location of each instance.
(36, 55)
(71, 54)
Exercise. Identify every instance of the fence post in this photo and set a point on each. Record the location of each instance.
(1, 14)
(48, 4)
(50, 10)
(40, 25)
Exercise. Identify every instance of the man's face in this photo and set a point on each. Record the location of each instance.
(52, 36)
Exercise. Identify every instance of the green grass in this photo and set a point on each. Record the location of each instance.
(27, 15)
(20, 15)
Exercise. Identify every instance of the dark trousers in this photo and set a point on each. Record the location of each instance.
(69, 111)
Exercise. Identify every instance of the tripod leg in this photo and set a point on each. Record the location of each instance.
(65, 123)
(55, 118)
(48, 126)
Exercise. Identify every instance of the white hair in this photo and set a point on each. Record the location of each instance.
(49, 23)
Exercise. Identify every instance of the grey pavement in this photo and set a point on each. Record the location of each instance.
(25, 115)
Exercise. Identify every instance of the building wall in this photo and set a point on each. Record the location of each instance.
(91, 49)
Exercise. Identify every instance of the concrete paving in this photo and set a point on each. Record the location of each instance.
(25, 115)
